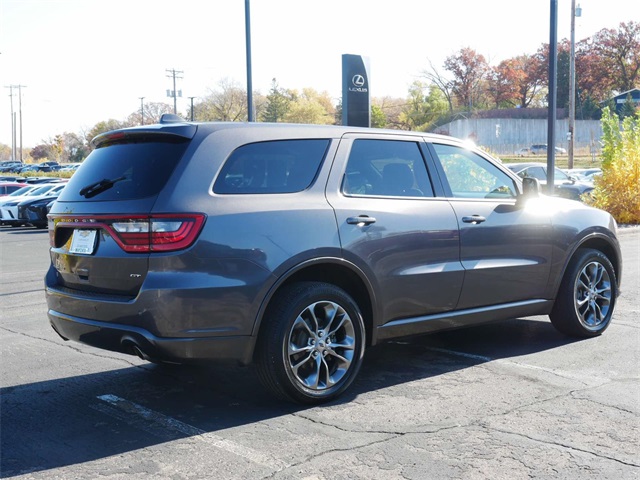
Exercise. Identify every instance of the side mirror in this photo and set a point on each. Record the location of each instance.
(531, 187)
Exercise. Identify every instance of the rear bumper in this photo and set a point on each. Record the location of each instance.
(137, 341)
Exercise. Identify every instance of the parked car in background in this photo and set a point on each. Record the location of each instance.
(34, 211)
(587, 174)
(296, 247)
(523, 152)
(69, 167)
(10, 166)
(565, 185)
(9, 205)
(36, 180)
(541, 149)
(7, 188)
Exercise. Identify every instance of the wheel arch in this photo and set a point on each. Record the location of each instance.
(596, 241)
(335, 271)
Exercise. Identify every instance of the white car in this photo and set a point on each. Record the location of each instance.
(9, 204)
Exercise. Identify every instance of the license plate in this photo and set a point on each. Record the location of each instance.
(83, 241)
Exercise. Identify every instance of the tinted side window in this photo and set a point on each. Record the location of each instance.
(386, 167)
(281, 166)
(471, 176)
(141, 168)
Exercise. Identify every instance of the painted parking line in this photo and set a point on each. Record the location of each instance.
(154, 422)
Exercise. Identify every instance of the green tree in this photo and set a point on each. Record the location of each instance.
(422, 109)
(628, 107)
(378, 118)
(311, 107)
(278, 104)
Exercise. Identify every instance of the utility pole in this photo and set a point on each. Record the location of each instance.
(175, 74)
(14, 129)
(20, 110)
(191, 98)
(13, 124)
(142, 109)
(575, 12)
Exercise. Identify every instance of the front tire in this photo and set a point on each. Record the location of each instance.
(587, 296)
(312, 343)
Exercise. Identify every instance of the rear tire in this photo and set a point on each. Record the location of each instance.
(311, 344)
(587, 296)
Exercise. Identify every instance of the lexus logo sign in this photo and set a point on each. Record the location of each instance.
(358, 82)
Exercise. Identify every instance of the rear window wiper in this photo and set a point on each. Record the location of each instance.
(93, 189)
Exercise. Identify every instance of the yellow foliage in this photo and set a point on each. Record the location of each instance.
(618, 189)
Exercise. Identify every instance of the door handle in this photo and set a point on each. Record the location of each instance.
(361, 220)
(475, 219)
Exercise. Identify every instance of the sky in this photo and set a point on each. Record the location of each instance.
(84, 61)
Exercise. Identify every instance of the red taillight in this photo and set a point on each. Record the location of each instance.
(143, 233)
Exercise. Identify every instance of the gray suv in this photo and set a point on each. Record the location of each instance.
(296, 247)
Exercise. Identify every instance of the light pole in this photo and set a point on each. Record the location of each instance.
(575, 12)
(142, 109)
(20, 110)
(247, 27)
(553, 95)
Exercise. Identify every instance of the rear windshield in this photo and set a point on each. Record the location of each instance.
(125, 171)
(280, 166)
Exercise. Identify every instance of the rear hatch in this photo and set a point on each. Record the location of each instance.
(101, 228)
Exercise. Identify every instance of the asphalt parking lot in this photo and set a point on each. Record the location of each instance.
(502, 401)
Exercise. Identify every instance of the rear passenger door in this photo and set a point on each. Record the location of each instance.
(393, 226)
(505, 248)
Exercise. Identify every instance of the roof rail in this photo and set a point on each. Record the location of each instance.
(171, 118)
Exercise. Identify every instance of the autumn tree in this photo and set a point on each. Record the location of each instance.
(618, 52)
(515, 82)
(40, 152)
(75, 148)
(228, 103)
(469, 70)
(102, 127)
(152, 113)
(5, 152)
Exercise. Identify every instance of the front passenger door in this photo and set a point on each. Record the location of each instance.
(505, 248)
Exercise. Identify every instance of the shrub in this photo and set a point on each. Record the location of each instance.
(618, 189)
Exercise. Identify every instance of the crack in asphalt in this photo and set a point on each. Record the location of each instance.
(559, 444)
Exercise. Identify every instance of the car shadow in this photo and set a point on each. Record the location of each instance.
(68, 421)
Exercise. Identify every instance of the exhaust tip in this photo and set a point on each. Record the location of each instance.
(131, 347)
